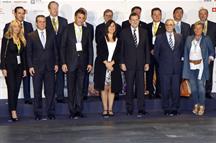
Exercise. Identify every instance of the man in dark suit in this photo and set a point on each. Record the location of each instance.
(168, 51)
(56, 25)
(209, 30)
(180, 26)
(100, 29)
(137, 10)
(42, 58)
(134, 60)
(90, 28)
(19, 13)
(76, 57)
(155, 28)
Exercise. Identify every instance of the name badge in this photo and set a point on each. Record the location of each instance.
(79, 46)
(153, 40)
(18, 60)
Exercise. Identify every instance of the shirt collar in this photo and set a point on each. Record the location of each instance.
(44, 31)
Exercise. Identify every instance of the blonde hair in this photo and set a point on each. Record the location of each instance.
(9, 33)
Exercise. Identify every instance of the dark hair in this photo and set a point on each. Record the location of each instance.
(52, 3)
(38, 16)
(19, 7)
(155, 9)
(80, 11)
(136, 7)
(178, 8)
(107, 25)
(106, 11)
(133, 14)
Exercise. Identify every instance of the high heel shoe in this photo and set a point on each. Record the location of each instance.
(14, 119)
(110, 113)
(105, 113)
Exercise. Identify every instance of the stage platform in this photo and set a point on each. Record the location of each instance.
(94, 105)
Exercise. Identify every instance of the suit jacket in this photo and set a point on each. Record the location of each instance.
(161, 30)
(100, 68)
(185, 31)
(100, 31)
(207, 50)
(126, 24)
(134, 57)
(211, 31)
(69, 55)
(9, 53)
(90, 27)
(169, 60)
(61, 26)
(27, 28)
(38, 56)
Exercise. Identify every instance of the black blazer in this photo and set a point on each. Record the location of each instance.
(27, 28)
(185, 31)
(100, 68)
(169, 60)
(62, 24)
(100, 31)
(134, 57)
(68, 52)
(37, 56)
(211, 31)
(126, 24)
(90, 27)
(161, 29)
(10, 49)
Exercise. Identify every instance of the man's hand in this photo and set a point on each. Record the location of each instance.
(146, 67)
(56, 68)
(123, 67)
(31, 71)
(24, 73)
(89, 68)
(4, 72)
(64, 68)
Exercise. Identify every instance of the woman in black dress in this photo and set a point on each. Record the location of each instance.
(107, 73)
(13, 63)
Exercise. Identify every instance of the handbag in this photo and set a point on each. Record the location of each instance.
(185, 90)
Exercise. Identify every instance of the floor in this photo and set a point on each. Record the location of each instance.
(152, 128)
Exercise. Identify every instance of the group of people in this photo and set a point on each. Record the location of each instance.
(165, 52)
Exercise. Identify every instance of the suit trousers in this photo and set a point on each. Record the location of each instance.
(46, 78)
(170, 91)
(135, 77)
(75, 80)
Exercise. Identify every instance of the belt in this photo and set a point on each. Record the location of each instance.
(195, 62)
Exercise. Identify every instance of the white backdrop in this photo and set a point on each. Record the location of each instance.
(95, 10)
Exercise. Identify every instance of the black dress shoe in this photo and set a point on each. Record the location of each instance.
(174, 113)
(166, 112)
(141, 113)
(129, 113)
(28, 102)
(81, 115)
(37, 118)
(51, 117)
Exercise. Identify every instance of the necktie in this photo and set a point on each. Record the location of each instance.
(135, 37)
(171, 42)
(155, 28)
(54, 24)
(43, 40)
(205, 28)
(178, 28)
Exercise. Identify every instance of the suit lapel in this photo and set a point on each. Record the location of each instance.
(159, 27)
(38, 38)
